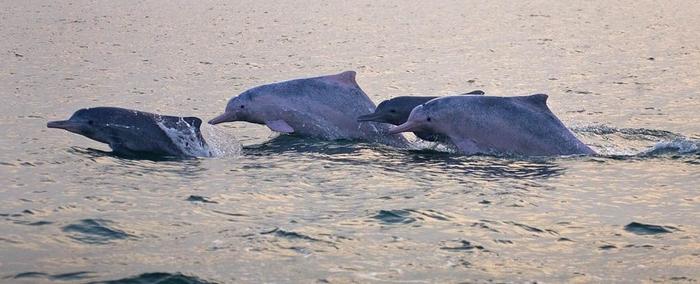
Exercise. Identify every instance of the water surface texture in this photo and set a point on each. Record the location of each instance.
(624, 76)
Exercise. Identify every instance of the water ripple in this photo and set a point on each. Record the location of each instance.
(95, 231)
(71, 276)
(648, 229)
(394, 217)
(157, 277)
(461, 245)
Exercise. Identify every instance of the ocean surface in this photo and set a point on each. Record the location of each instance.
(624, 76)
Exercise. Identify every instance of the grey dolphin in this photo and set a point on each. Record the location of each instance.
(323, 107)
(396, 110)
(134, 133)
(483, 124)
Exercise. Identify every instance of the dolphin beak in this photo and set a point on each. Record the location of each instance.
(64, 124)
(225, 117)
(376, 117)
(408, 126)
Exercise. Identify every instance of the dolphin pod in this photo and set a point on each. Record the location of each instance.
(334, 107)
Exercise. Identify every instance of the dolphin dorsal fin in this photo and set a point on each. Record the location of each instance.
(345, 78)
(539, 100)
(194, 121)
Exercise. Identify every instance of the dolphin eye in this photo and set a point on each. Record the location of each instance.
(392, 111)
(428, 119)
(90, 122)
(242, 106)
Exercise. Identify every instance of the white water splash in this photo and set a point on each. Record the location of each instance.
(415, 143)
(185, 137)
(608, 140)
(221, 143)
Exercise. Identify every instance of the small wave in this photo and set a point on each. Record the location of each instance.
(406, 216)
(198, 198)
(158, 277)
(648, 229)
(677, 146)
(95, 231)
(607, 247)
(394, 217)
(290, 235)
(525, 227)
(632, 133)
(296, 241)
(29, 223)
(296, 144)
(461, 245)
(71, 276)
(611, 141)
